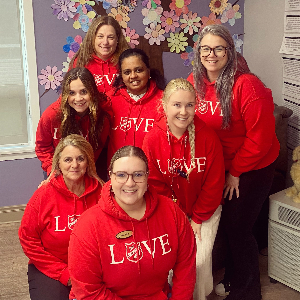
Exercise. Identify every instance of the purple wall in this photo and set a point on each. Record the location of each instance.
(20, 178)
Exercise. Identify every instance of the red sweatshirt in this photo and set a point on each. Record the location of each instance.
(250, 143)
(48, 220)
(132, 119)
(103, 265)
(201, 194)
(104, 72)
(47, 134)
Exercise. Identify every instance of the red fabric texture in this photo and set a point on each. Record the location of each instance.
(103, 266)
(199, 195)
(250, 143)
(132, 119)
(48, 220)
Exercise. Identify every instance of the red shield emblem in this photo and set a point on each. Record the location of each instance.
(134, 251)
(72, 221)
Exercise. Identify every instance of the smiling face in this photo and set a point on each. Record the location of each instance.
(129, 195)
(212, 63)
(180, 111)
(135, 74)
(79, 97)
(72, 164)
(106, 42)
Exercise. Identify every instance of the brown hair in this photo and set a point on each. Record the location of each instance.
(84, 146)
(129, 151)
(87, 48)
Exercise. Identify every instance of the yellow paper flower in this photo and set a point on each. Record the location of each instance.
(177, 42)
(218, 6)
(120, 15)
(76, 25)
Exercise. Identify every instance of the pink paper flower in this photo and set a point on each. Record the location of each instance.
(180, 6)
(50, 77)
(230, 14)
(152, 15)
(190, 23)
(211, 19)
(63, 9)
(155, 34)
(131, 37)
(169, 21)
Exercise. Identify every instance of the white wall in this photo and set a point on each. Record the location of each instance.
(263, 36)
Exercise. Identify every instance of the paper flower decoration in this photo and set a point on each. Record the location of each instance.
(131, 5)
(230, 14)
(131, 37)
(217, 6)
(73, 45)
(211, 19)
(180, 6)
(151, 3)
(152, 15)
(120, 15)
(237, 43)
(84, 16)
(109, 3)
(177, 42)
(169, 21)
(154, 34)
(50, 77)
(85, 5)
(64, 9)
(66, 65)
(190, 23)
(188, 56)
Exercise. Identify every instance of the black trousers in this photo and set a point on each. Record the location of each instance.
(42, 287)
(237, 221)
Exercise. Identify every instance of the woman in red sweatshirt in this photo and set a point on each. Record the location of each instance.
(138, 91)
(237, 105)
(81, 109)
(186, 163)
(51, 213)
(124, 247)
(100, 51)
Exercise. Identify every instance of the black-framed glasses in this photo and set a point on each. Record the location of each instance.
(219, 51)
(137, 177)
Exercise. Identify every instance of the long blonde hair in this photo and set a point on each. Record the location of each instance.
(173, 86)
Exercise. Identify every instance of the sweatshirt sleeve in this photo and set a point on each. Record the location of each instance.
(256, 105)
(211, 188)
(85, 267)
(156, 178)
(184, 271)
(44, 147)
(30, 233)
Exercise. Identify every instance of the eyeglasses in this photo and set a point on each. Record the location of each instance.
(219, 51)
(137, 177)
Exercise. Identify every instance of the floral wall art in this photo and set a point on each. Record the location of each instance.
(166, 29)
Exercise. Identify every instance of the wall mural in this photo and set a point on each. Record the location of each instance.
(165, 26)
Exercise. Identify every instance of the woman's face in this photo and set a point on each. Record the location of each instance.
(217, 59)
(79, 98)
(128, 193)
(106, 42)
(135, 75)
(180, 111)
(72, 164)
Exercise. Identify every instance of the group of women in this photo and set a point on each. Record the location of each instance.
(173, 155)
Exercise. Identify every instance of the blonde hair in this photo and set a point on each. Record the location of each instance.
(173, 86)
(86, 149)
(87, 48)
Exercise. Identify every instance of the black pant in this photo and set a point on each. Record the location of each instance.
(42, 287)
(237, 220)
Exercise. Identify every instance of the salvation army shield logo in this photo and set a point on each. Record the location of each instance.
(72, 221)
(134, 253)
(202, 107)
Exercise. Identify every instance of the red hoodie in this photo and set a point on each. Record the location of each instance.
(48, 220)
(132, 119)
(250, 143)
(47, 134)
(199, 195)
(104, 72)
(103, 266)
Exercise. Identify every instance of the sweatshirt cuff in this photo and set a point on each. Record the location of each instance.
(64, 278)
(234, 173)
(196, 220)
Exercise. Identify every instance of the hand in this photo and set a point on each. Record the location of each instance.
(197, 229)
(231, 184)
